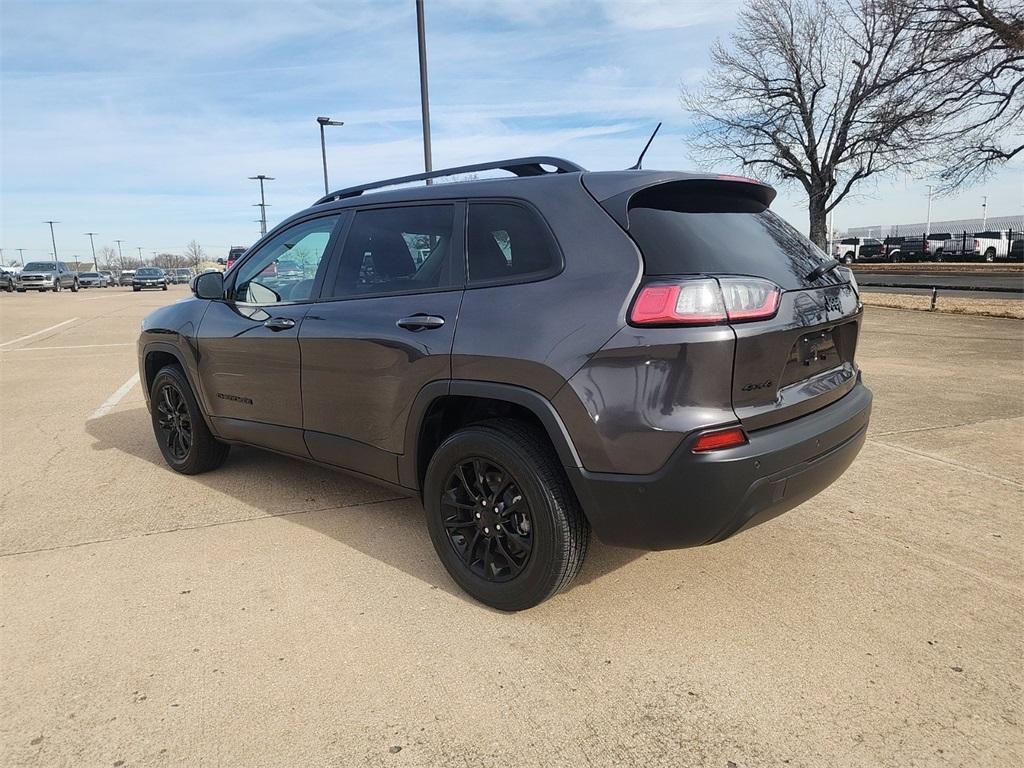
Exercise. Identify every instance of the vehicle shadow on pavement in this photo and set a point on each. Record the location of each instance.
(371, 519)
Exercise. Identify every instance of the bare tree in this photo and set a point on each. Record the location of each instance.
(195, 255)
(107, 257)
(169, 261)
(982, 64)
(826, 93)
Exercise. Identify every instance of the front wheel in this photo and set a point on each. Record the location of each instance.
(502, 516)
(165, 286)
(185, 441)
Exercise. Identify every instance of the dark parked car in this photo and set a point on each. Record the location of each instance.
(1016, 252)
(7, 280)
(149, 277)
(652, 355)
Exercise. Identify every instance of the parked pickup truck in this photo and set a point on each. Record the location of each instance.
(47, 276)
(851, 249)
(988, 246)
(916, 247)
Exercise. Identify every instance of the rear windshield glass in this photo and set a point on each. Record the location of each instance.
(686, 234)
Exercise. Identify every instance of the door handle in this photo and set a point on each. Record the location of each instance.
(420, 322)
(279, 323)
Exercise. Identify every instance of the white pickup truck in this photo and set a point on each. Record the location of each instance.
(988, 246)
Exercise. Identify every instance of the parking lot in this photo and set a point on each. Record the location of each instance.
(273, 613)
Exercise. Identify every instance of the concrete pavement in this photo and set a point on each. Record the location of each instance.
(272, 613)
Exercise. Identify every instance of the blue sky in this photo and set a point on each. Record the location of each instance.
(142, 120)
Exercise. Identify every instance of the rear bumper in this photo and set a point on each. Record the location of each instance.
(703, 498)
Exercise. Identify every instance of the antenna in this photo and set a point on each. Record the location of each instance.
(646, 146)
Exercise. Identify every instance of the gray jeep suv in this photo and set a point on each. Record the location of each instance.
(652, 355)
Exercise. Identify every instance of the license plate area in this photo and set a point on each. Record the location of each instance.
(814, 353)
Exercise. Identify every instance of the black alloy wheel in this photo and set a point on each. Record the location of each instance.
(174, 421)
(487, 519)
(501, 514)
(180, 429)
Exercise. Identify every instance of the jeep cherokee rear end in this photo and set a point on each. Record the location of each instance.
(731, 394)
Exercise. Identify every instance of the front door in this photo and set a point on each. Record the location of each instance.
(248, 357)
(383, 329)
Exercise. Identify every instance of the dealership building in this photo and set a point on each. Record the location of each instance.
(952, 227)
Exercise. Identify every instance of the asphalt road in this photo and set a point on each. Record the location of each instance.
(277, 614)
(1004, 282)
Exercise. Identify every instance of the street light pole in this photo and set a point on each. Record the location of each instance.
(325, 121)
(424, 96)
(928, 220)
(141, 260)
(262, 204)
(53, 239)
(93, 246)
(21, 255)
(984, 211)
(120, 256)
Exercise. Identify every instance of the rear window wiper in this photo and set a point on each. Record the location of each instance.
(822, 269)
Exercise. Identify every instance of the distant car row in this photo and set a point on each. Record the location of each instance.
(981, 246)
(56, 276)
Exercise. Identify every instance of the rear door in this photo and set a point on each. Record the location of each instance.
(382, 330)
(800, 359)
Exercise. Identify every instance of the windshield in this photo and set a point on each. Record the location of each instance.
(182, 271)
(90, 274)
(40, 266)
(149, 272)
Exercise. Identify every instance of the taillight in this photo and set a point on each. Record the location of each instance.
(977, 245)
(706, 301)
(720, 439)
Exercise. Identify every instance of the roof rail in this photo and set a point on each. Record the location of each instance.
(520, 166)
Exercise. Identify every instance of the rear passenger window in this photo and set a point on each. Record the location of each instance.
(508, 241)
(397, 250)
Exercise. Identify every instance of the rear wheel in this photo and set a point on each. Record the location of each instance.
(185, 441)
(990, 255)
(74, 287)
(502, 516)
(56, 286)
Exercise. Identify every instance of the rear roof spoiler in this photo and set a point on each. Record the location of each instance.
(615, 190)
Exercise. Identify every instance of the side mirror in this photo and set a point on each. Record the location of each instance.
(208, 285)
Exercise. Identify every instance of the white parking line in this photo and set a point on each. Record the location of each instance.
(37, 333)
(115, 398)
(77, 346)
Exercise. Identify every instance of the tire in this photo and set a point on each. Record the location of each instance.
(74, 287)
(848, 257)
(165, 287)
(940, 255)
(136, 289)
(518, 460)
(20, 290)
(174, 412)
(990, 255)
(56, 286)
